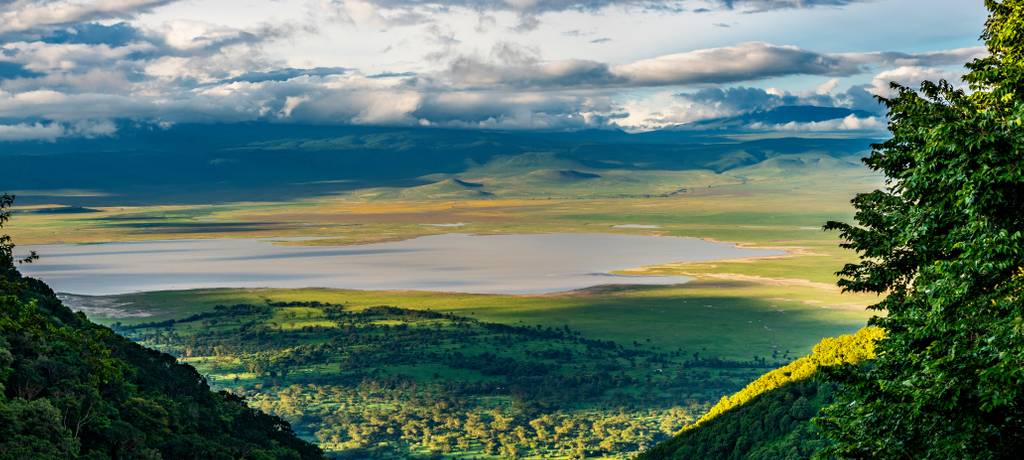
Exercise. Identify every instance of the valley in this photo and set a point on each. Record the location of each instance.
(401, 351)
(511, 230)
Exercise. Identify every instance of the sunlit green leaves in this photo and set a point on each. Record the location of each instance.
(943, 243)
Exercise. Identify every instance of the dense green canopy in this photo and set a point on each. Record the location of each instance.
(944, 243)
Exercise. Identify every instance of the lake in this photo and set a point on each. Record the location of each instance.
(499, 264)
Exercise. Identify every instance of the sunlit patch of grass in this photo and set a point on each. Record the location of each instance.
(730, 319)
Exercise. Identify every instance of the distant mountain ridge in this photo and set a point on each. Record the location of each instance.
(187, 164)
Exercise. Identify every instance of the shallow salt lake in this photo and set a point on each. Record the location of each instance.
(499, 264)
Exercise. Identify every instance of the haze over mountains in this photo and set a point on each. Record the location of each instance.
(263, 161)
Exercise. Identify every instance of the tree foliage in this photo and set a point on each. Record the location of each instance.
(771, 417)
(943, 242)
(390, 382)
(72, 389)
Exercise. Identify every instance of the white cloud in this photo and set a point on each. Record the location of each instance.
(49, 57)
(827, 87)
(165, 69)
(21, 15)
(744, 62)
(849, 123)
(509, 65)
(53, 131)
(666, 108)
(185, 35)
(911, 76)
(31, 132)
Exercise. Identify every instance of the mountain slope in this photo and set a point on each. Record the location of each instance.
(771, 417)
(73, 389)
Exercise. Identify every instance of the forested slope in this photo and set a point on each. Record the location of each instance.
(771, 417)
(72, 389)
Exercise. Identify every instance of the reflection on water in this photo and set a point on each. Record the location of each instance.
(451, 262)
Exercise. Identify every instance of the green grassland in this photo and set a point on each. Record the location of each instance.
(726, 319)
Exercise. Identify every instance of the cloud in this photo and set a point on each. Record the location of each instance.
(514, 66)
(754, 6)
(666, 108)
(473, 72)
(510, 88)
(827, 87)
(63, 74)
(911, 76)
(743, 62)
(287, 74)
(23, 15)
(514, 110)
(121, 59)
(52, 131)
(547, 6)
(736, 100)
(45, 57)
(848, 123)
(31, 132)
(956, 56)
(392, 13)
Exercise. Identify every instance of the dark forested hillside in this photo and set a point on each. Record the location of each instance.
(73, 389)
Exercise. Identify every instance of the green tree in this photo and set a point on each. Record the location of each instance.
(943, 242)
(33, 429)
(6, 244)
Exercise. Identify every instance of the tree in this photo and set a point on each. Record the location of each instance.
(6, 244)
(943, 242)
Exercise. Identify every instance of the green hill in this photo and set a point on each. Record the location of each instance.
(771, 417)
(563, 175)
(71, 389)
(447, 189)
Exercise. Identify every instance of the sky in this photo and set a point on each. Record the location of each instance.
(77, 68)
